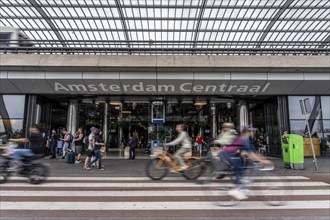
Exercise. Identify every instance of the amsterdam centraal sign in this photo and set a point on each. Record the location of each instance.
(166, 83)
(141, 87)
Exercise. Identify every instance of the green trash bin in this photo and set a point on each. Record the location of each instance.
(293, 151)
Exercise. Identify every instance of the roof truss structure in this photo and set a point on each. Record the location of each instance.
(181, 27)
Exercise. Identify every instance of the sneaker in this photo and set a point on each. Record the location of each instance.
(78, 161)
(184, 167)
(237, 194)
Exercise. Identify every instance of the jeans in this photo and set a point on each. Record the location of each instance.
(98, 157)
(132, 153)
(53, 149)
(19, 153)
(236, 162)
(180, 153)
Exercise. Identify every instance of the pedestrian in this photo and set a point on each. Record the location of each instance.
(97, 152)
(67, 141)
(91, 143)
(133, 143)
(52, 140)
(199, 140)
(78, 141)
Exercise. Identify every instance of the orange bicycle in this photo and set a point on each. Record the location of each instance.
(160, 166)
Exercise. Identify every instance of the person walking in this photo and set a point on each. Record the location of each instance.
(52, 140)
(91, 143)
(97, 152)
(133, 143)
(227, 135)
(67, 140)
(78, 141)
(185, 141)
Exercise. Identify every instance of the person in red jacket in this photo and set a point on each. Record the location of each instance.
(199, 140)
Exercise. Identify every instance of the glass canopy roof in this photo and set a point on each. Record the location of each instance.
(172, 26)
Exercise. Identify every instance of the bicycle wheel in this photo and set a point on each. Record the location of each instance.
(217, 190)
(195, 169)
(156, 169)
(4, 174)
(273, 191)
(38, 174)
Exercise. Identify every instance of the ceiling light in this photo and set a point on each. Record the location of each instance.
(115, 103)
(200, 103)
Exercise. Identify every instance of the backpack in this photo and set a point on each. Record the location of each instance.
(86, 141)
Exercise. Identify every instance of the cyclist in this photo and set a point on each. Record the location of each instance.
(231, 154)
(185, 141)
(227, 135)
(35, 138)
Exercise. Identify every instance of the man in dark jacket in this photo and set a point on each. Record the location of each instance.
(133, 142)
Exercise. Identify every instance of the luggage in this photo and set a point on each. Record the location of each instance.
(70, 157)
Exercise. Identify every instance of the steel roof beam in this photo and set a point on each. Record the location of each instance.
(325, 42)
(169, 30)
(199, 19)
(123, 23)
(48, 20)
(273, 21)
(166, 19)
(164, 6)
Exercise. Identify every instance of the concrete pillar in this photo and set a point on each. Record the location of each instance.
(72, 119)
(30, 113)
(38, 114)
(243, 114)
(120, 128)
(105, 124)
(214, 127)
(200, 117)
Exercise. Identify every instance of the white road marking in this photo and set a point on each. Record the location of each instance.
(154, 184)
(147, 178)
(152, 193)
(247, 205)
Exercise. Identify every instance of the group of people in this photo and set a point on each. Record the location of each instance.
(77, 142)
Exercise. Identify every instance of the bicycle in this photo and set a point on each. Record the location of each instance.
(161, 165)
(216, 186)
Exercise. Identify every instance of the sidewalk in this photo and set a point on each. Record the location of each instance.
(124, 167)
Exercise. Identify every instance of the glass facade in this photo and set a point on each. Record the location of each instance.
(12, 109)
(318, 119)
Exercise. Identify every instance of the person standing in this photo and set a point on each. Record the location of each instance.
(91, 143)
(52, 140)
(133, 143)
(185, 141)
(199, 140)
(78, 140)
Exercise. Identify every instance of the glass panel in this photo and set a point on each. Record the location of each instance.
(294, 106)
(16, 125)
(14, 105)
(325, 102)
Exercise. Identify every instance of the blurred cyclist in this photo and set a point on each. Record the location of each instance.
(227, 135)
(231, 154)
(185, 141)
(35, 138)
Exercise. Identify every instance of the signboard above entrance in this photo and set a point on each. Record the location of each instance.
(167, 83)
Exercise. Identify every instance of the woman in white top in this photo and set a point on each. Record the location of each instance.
(184, 140)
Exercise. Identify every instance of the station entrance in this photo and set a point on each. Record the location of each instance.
(118, 117)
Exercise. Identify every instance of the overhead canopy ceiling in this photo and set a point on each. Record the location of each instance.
(172, 26)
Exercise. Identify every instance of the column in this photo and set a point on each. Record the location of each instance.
(120, 132)
(38, 114)
(72, 119)
(30, 113)
(214, 127)
(105, 124)
(200, 117)
(243, 114)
